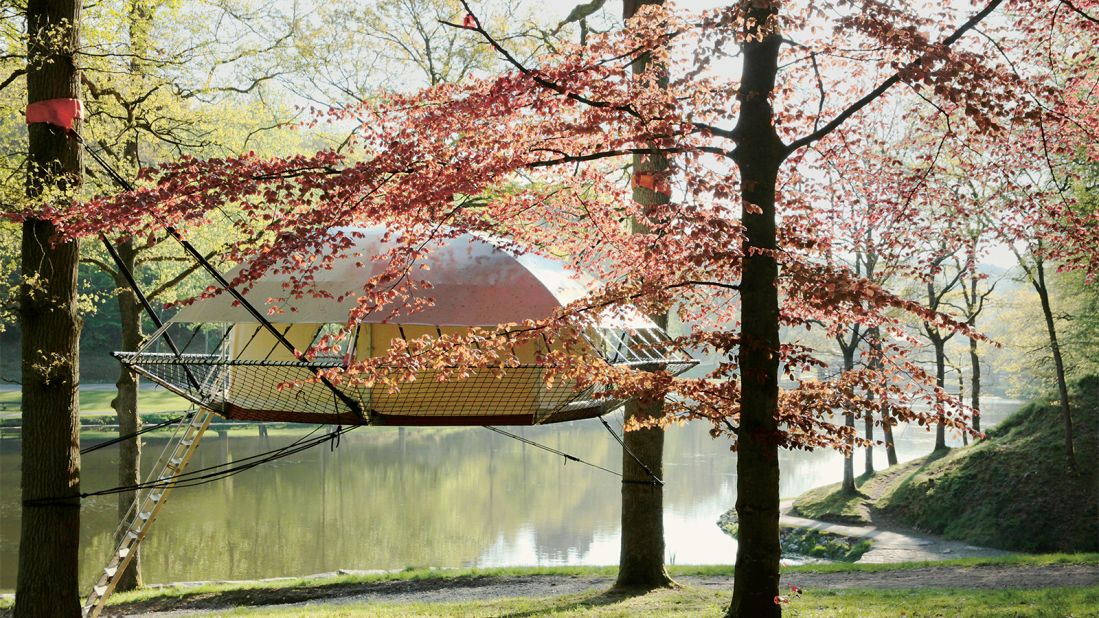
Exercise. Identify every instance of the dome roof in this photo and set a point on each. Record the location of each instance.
(474, 282)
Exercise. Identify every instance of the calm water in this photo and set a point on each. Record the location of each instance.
(423, 497)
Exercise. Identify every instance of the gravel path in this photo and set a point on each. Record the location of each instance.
(894, 542)
(484, 588)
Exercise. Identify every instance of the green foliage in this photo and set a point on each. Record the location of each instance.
(1013, 490)
(1025, 355)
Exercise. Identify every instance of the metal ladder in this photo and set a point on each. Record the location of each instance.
(133, 528)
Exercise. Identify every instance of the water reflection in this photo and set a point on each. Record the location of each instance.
(389, 498)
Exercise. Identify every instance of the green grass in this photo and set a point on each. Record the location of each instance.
(1009, 560)
(694, 601)
(98, 402)
(717, 570)
(1012, 491)
(829, 503)
(172, 593)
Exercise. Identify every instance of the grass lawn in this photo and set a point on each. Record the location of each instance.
(686, 601)
(98, 402)
(693, 601)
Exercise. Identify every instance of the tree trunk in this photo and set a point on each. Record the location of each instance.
(125, 406)
(140, 16)
(759, 154)
(1058, 362)
(47, 582)
(961, 397)
(641, 553)
(868, 464)
(886, 424)
(641, 557)
(975, 384)
(940, 381)
(848, 485)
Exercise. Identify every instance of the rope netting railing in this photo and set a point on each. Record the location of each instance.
(242, 378)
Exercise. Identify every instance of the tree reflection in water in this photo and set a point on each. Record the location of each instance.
(389, 498)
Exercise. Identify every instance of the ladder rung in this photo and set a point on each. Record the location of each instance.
(168, 474)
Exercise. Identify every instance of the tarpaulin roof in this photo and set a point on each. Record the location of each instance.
(474, 282)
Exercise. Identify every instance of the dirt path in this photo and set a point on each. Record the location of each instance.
(893, 541)
(484, 588)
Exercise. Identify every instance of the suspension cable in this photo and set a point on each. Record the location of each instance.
(131, 436)
(655, 480)
(191, 251)
(210, 474)
(550, 449)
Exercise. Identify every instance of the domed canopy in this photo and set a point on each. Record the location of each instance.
(257, 371)
(474, 282)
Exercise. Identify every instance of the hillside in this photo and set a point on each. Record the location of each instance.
(1013, 490)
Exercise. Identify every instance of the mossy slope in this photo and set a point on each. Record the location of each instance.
(1013, 491)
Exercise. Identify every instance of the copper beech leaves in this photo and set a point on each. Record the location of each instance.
(976, 124)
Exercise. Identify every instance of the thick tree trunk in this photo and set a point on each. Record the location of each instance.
(47, 582)
(125, 406)
(641, 557)
(759, 154)
(940, 381)
(1058, 362)
(641, 553)
(975, 384)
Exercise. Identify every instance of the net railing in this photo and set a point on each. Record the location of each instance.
(287, 390)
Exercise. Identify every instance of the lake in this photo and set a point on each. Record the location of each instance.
(389, 499)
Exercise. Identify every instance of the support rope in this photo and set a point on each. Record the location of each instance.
(209, 474)
(655, 479)
(225, 285)
(145, 304)
(549, 449)
(131, 436)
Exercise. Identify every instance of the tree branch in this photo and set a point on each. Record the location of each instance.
(1079, 12)
(889, 83)
(14, 75)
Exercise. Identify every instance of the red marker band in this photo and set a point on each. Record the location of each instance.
(58, 112)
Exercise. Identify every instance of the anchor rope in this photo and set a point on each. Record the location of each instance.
(191, 251)
(655, 480)
(131, 436)
(550, 449)
(209, 474)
